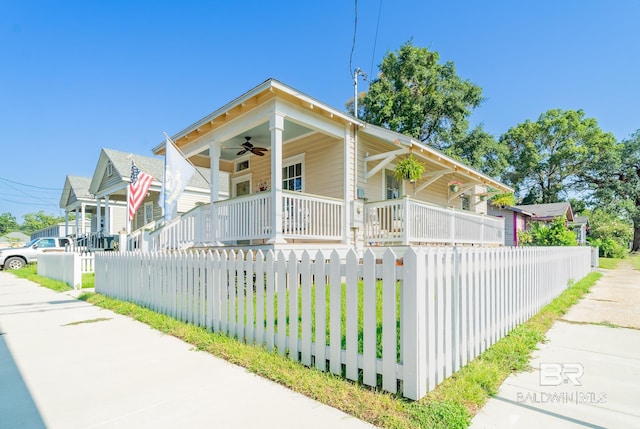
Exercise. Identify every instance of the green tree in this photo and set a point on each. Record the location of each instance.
(7, 223)
(550, 155)
(615, 182)
(416, 95)
(609, 232)
(40, 220)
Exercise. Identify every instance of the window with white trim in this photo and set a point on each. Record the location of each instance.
(148, 212)
(293, 173)
(109, 169)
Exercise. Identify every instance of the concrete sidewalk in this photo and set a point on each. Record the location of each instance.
(68, 364)
(587, 373)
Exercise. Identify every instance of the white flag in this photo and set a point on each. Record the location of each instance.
(177, 173)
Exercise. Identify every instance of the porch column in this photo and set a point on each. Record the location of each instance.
(77, 231)
(98, 215)
(214, 183)
(349, 187)
(107, 215)
(82, 219)
(66, 223)
(276, 126)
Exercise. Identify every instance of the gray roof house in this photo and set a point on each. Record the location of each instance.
(548, 212)
(111, 179)
(77, 198)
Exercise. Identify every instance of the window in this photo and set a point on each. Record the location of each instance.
(241, 185)
(242, 165)
(46, 242)
(109, 169)
(292, 174)
(466, 202)
(392, 185)
(148, 212)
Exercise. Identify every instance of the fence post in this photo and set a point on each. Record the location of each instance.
(77, 271)
(406, 231)
(413, 341)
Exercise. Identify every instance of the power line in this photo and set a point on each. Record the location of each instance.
(30, 186)
(353, 44)
(375, 39)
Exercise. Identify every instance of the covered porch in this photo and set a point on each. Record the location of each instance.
(313, 220)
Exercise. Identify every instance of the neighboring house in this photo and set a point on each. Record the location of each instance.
(61, 229)
(515, 220)
(77, 199)
(580, 225)
(548, 212)
(110, 182)
(326, 177)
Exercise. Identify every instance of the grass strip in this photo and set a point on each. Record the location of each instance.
(635, 261)
(30, 272)
(608, 263)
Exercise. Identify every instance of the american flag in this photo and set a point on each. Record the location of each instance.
(140, 183)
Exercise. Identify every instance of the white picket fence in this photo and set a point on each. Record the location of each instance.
(436, 308)
(63, 266)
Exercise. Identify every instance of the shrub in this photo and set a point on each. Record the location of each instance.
(608, 247)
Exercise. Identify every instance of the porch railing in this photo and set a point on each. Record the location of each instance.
(248, 217)
(189, 229)
(406, 221)
(311, 216)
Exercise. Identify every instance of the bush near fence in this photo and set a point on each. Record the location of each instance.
(399, 324)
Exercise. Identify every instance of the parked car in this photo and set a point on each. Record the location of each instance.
(20, 256)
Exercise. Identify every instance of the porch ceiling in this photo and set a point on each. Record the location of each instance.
(260, 136)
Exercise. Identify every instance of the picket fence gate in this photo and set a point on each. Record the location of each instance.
(436, 308)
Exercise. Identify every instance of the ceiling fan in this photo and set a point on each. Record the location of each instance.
(248, 147)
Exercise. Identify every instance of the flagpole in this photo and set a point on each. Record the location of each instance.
(129, 219)
(183, 155)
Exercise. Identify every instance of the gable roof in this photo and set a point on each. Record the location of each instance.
(549, 211)
(272, 88)
(121, 162)
(17, 235)
(75, 186)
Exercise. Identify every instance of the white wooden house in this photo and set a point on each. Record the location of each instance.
(77, 199)
(109, 187)
(324, 177)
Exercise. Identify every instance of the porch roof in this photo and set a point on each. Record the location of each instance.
(419, 149)
(254, 97)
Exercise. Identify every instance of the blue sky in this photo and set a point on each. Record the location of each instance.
(76, 76)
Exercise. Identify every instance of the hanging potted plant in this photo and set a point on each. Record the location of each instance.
(409, 168)
(454, 185)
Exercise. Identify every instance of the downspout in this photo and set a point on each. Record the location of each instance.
(515, 228)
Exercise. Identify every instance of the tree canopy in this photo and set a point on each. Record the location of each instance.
(7, 223)
(40, 220)
(615, 182)
(551, 154)
(416, 95)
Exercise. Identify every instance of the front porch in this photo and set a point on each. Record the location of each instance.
(313, 219)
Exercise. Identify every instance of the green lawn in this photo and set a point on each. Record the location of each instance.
(30, 272)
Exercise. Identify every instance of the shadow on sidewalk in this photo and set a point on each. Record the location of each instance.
(17, 408)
